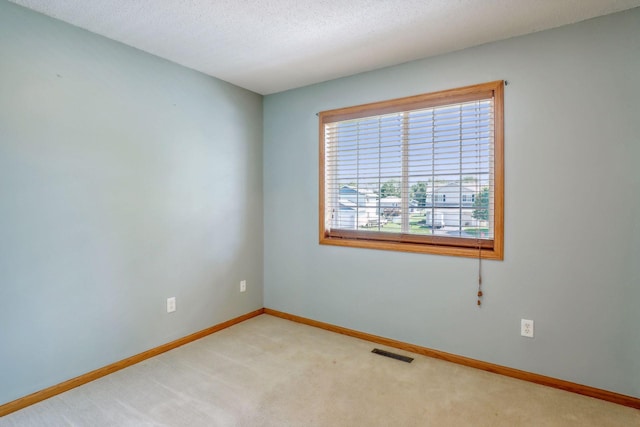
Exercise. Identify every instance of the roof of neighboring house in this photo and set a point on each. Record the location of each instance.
(352, 189)
(347, 205)
(390, 200)
(455, 186)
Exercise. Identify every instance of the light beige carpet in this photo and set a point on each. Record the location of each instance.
(272, 372)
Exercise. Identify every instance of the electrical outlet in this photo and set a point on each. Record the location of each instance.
(526, 328)
(243, 286)
(171, 304)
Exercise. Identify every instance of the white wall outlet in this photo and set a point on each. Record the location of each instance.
(171, 304)
(526, 328)
(243, 286)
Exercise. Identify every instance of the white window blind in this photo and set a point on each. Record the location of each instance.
(416, 175)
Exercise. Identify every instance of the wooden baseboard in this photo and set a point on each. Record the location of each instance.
(41, 395)
(38, 396)
(610, 396)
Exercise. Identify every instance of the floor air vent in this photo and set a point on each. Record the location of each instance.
(392, 355)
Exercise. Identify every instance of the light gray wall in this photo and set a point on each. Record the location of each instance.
(124, 179)
(571, 216)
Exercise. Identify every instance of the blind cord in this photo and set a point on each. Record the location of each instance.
(479, 240)
(479, 273)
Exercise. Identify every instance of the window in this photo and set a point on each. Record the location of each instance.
(418, 174)
(466, 198)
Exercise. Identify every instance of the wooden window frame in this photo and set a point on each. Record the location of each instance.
(431, 244)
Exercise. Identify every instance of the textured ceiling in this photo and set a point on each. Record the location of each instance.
(269, 46)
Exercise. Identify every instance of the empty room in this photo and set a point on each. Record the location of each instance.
(280, 213)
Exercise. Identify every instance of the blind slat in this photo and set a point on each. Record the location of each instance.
(429, 166)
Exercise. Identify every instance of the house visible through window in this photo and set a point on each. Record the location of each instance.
(419, 174)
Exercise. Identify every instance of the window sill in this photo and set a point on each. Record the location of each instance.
(495, 253)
